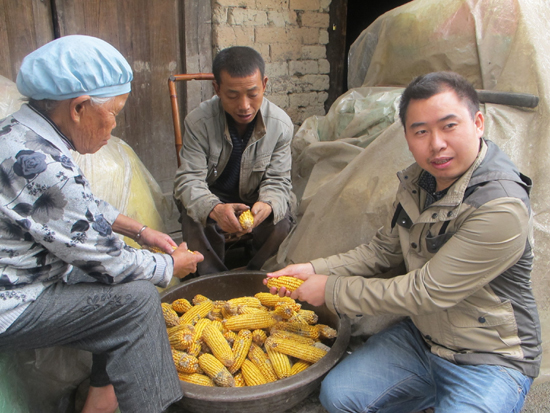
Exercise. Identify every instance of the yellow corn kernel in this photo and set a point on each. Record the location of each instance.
(199, 298)
(295, 349)
(239, 380)
(284, 310)
(280, 362)
(196, 378)
(252, 375)
(218, 344)
(216, 370)
(299, 366)
(245, 309)
(292, 336)
(171, 318)
(194, 348)
(249, 321)
(240, 349)
(260, 359)
(185, 363)
(298, 328)
(218, 324)
(271, 300)
(197, 312)
(181, 305)
(259, 336)
(246, 219)
(326, 331)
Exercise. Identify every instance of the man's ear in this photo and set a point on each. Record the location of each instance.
(479, 121)
(264, 82)
(216, 87)
(78, 106)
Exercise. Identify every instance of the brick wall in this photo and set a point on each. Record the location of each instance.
(291, 35)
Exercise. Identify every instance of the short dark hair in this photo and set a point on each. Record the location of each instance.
(238, 61)
(426, 86)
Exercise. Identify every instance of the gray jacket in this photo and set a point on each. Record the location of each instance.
(207, 146)
(468, 260)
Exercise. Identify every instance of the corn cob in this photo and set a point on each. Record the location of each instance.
(171, 318)
(245, 309)
(259, 336)
(248, 301)
(299, 366)
(199, 298)
(322, 346)
(326, 331)
(196, 378)
(304, 317)
(197, 312)
(218, 324)
(295, 349)
(252, 375)
(271, 300)
(239, 380)
(298, 328)
(249, 321)
(246, 219)
(230, 336)
(290, 283)
(280, 362)
(218, 344)
(181, 305)
(181, 338)
(293, 336)
(216, 371)
(185, 363)
(240, 349)
(194, 348)
(260, 359)
(284, 311)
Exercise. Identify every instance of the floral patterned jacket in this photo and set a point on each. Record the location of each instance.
(52, 228)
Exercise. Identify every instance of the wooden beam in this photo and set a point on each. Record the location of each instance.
(336, 50)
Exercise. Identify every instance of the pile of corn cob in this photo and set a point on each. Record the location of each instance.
(244, 341)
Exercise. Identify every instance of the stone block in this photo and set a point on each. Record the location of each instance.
(280, 100)
(314, 52)
(323, 36)
(303, 67)
(324, 5)
(304, 5)
(315, 19)
(307, 99)
(306, 35)
(271, 35)
(279, 85)
(282, 18)
(311, 83)
(324, 66)
(288, 51)
(276, 69)
(272, 4)
(246, 17)
(235, 3)
(219, 15)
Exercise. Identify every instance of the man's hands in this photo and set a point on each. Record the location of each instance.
(311, 291)
(226, 215)
(185, 261)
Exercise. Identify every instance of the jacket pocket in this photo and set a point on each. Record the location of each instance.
(257, 172)
(434, 243)
(485, 328)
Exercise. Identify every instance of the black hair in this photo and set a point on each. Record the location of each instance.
(426, 86)
(238, 61)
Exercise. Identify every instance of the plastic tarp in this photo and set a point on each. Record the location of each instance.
(345, 163)
(46, 380)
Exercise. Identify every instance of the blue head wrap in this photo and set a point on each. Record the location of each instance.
(73, 66)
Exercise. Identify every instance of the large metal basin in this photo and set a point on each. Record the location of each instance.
(272, 397)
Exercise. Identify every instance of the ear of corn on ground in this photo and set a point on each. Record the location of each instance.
(250, 341)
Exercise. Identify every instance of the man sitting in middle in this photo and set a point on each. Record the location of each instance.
(235, 156)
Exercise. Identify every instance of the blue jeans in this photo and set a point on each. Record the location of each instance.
(394, 371)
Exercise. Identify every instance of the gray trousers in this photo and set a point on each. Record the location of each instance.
(121, 325)
(210, 241)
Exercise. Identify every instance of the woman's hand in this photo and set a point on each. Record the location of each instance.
(150, 237)
(185, 261)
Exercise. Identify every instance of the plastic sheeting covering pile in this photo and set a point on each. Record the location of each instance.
(345, 163)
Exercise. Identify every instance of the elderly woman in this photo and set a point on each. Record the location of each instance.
(66, 279)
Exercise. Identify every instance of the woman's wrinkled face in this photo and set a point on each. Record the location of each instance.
(95, 124)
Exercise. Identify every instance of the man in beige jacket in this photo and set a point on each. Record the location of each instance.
(461, 225)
